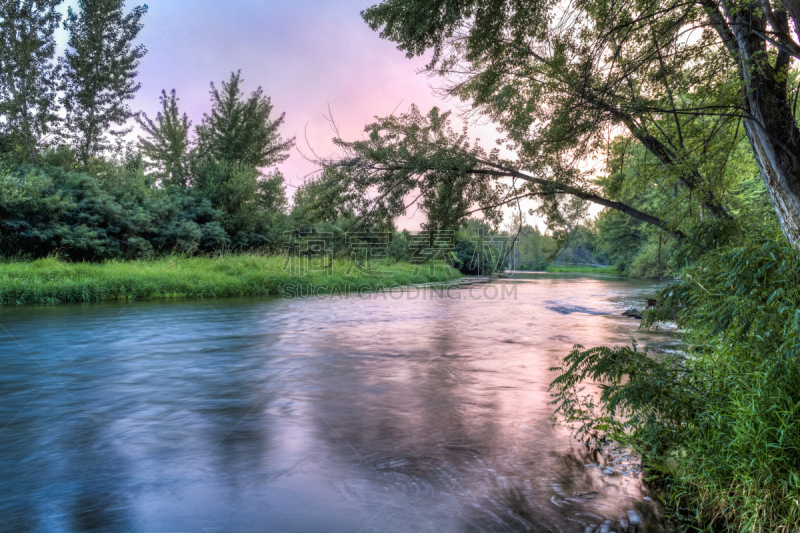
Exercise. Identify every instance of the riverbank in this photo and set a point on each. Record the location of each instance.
(51, 280)
(585, 269)
(394, 375)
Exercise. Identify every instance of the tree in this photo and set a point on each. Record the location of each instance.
(326, 199)
(251, 204)
(167, 147)
(99, 71)
(531, 250)
(27, 73)
(241, 131)
(559, 80)
(757, 37)
(420, 158)
(234, 141)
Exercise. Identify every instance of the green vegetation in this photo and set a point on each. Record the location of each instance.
(98, 74)
(720, 420)
(531, 249)
(69, 183)
(50, 280)
(690, 110)
(165, 198)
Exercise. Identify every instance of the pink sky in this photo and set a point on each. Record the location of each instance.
(305, 54)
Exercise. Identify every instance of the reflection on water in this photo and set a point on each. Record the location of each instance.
(360, 414)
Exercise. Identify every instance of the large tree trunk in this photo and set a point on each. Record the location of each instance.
(771, 126)
(781, 173)
(769, 119)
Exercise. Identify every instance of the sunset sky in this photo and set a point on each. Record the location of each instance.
(306, 54)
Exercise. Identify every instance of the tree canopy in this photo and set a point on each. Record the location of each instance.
(679, 78)
(99, 70)
(28, 80)
(71, 184)
(166, 145)
(241, 130)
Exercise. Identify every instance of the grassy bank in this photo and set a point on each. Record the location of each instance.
(51, 280)
(586, 269)
(719, 419)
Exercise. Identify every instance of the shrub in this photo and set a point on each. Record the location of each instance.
(721, 418)
(118, 213)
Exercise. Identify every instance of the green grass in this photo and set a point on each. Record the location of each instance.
(586, 269)
(719, 419)
(52, 281)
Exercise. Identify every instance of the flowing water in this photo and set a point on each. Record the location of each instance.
(391, 412)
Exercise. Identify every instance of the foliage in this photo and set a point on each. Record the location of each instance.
(99, 68)
(209, 198)
(240, 130)
(251, 205)
(167, 147)
(399, 250)
(47, 209)
(420, 155)
(232, 144)
(620, 237)
(532, 250)
(51, 280)
(642, 250)
(558, 82)
(477, 251)
(325, 199)
(578, 246)
(721, 418)
(27, 74)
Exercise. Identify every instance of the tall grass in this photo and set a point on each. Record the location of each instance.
(51, 280)
(721, 419)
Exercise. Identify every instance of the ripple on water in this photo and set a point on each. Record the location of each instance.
(260, 414)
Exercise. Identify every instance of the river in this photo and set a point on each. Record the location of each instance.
(413, 411)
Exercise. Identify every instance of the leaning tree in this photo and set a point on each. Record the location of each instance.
(558, 77)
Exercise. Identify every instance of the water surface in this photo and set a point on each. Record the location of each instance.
(393, 412)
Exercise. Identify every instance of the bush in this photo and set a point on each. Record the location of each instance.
(720, 419)
(118, 212)
(652, 260)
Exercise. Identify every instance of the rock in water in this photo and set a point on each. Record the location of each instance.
(633, 312)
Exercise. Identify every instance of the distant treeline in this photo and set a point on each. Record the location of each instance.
(71, 185)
